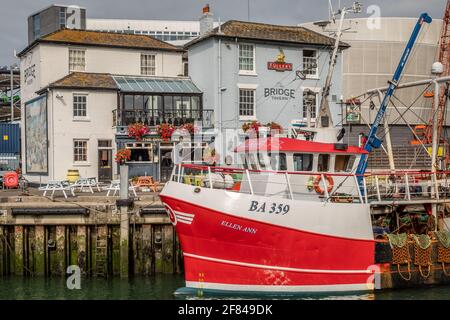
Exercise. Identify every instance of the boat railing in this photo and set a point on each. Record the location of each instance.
(373, 188)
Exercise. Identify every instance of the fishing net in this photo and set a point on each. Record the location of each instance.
(400, 252)
(422, 253)
(443, 249)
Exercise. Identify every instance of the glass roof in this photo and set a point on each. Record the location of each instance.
(155, 85)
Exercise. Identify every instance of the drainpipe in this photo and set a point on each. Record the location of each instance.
(53, 133)
(219, 89)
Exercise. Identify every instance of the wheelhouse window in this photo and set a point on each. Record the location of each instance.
(246, 58)
(310, 65)
(77, 60)
(303, 162)
(323, 163)
(344, 163)
(80, 151)
(278, 161)
(247, 103)
(79, 105)
(148, 64)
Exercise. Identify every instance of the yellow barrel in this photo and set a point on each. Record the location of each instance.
(73, 175)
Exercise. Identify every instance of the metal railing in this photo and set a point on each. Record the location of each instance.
(123, 117)
(376, 188)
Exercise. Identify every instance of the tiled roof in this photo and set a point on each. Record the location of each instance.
(84, 80)
(268, 32)
(108, 39)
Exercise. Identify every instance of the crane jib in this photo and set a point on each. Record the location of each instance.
(372, 140)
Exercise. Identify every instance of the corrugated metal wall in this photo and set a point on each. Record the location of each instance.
(9, 138)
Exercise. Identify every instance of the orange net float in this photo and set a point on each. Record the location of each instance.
(317, 187)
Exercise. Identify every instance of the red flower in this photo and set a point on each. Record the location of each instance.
(122, 155)
(165, 130)
(137, 130)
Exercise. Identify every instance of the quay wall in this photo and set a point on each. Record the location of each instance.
(45, 243)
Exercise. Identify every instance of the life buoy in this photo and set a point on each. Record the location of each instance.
(11, 180)
(318, 179)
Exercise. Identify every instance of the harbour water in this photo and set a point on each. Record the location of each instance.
(162, 287)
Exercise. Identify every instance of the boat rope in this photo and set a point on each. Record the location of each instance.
(400, 253)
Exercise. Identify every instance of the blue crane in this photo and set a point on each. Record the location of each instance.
(372, 140)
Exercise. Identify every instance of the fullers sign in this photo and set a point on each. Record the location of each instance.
(279, 66)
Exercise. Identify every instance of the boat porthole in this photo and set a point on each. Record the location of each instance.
(197, 190)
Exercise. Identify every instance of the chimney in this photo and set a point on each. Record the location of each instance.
(206, 21)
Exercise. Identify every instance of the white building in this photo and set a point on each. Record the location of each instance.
(175, 32)
(80, 89)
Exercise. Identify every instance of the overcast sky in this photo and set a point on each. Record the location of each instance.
(13, 13)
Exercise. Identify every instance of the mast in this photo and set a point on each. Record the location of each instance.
(324, 110)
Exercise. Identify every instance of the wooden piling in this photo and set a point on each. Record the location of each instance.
(137, 250)
(52, 261)
(18, 250)
(115, 250)
(168, 249)
(158, 248)
(39, 250)
(60, 250)
(147, 263)
(81, 248)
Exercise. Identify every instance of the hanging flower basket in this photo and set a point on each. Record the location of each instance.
(253, 126)
(123, 155)
(189, 127)
(137, 130)
(273, 126)
(165, 131)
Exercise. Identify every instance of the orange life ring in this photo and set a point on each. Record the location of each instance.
(11, 180)
(318, 179)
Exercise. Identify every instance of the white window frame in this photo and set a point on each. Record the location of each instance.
(80, 118)
(247, 72)
(71, 69)
(252, 87)
(148, 67)
(316, 74)
(80, 162)
(317, 92)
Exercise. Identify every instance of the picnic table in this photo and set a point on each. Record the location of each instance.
(54, 186)
(115, 186)
(146, 181)
(87, 183)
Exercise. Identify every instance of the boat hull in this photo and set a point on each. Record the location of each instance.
(230, 249)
